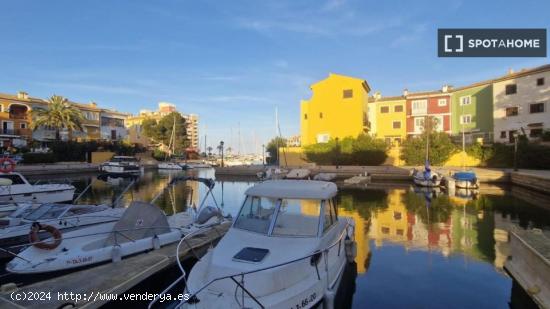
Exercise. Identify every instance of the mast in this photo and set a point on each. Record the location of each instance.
(427, 125)
(463, 139)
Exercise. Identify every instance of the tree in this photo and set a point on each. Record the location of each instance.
(272, 149)
(413, 149)
(59, 115)
(209, 149)
(161, 131)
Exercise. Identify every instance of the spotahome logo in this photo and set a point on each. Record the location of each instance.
(491, 42)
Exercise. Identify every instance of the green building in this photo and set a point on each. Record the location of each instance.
(472, 109)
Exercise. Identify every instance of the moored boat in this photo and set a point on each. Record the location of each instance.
(169, 166)
(121, 165)
(466, 180)
(298, 173)
(15, 188)
(426, 178)
(287, 247)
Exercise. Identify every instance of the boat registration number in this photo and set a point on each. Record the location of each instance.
(310, 300)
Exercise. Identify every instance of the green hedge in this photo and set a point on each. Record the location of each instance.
(76, 151)
(30, 158)
(530, 155)
(413, 150)
(363, 150)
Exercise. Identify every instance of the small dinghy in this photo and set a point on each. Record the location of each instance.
(298, 173)
(325, 176)
(272, 173)
(288, 247)
(14, 188)
(426, 178)
(466, 180)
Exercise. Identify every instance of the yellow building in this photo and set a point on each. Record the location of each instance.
(390, 118)
(337, 109)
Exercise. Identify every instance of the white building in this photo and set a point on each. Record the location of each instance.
(521, 103)
(112, 126)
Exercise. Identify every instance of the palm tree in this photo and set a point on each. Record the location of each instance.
(209, 149)
(59, 115)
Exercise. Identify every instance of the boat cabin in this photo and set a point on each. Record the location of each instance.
(8, 179)
(125, 159)
(289, 208)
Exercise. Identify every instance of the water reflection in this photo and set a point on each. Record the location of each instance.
(412, 244)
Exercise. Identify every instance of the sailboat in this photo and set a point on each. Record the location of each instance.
(166, 165)
(426, 178)
(465, 179)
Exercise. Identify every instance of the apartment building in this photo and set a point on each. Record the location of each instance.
(336, 109)
(521, 104)
(390, 118)
(15, 119)
(472, 112)
(112, 125)
(435, 105)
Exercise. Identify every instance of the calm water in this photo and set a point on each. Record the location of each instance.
(415, 249)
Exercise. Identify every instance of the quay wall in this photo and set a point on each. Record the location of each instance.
(532, 181)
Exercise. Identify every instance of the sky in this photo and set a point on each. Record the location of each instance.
(234, 62)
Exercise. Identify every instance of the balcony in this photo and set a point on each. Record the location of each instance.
(18, 111)
(21, 132)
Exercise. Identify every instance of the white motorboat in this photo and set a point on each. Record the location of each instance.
(142, 227)
(286, 248)
(169, 166)
(298, 173)
(121, 165)
(272, 173)
(198, 165)
(14, 231)
(325, 176)
(14, 188)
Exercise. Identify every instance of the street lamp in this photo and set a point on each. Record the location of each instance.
(263, 154)
(221, 146)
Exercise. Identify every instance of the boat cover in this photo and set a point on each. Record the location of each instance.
(465, 176)
(140, 220)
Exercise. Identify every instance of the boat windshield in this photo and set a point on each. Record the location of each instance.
(295, 217)
(46, 211)
(123, 159)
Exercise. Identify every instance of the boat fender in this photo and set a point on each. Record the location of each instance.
(351, 250)
(156, 242)
(116, 255)
(35, 239)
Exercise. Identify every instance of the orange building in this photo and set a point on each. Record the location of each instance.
(15, 118)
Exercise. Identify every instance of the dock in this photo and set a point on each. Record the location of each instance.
(529, 263)
(113, 278)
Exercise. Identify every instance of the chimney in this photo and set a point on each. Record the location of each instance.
(377, 95)
(405, 92)
(22, 95)
(446, 88)
(93, 104)
(510, 71)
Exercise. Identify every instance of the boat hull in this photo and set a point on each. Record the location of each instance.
(44, 196)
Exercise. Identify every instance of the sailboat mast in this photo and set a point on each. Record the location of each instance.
(427, 125)
(463, 139)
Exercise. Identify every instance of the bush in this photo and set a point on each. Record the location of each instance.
(363, 150)
(76, 151)
(413, 150)
(159, 155)
(31, 157)
(546, 136)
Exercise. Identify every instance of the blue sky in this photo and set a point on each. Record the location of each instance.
(233, 62)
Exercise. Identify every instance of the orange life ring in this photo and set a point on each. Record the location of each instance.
(35, 240)
(7, 168)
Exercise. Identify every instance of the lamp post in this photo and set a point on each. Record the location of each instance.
(221, 146)
(263, 154)
(516, 135)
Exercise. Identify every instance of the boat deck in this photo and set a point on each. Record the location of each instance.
(91, 284)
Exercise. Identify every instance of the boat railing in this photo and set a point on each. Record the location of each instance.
(114, 232)
(317, 254)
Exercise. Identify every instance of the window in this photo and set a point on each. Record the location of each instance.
(256, 214)
(385, 230)
(397, 140)
(348, 93)
(291, 221)
(320, 115)
(384, 109)
(15, 179)
(397, 124)
(398, 108)
(535, 132)
(387, 140)
(536, 108)
(419, 107)
(540, 81)
(467, 100)
(399, 232)
(397, 215)
(465, 119)
(323, 138)
(305, 116)
(511, 89)
(511, 111)
(328, 220)
(502, 134)
(442, 102)
(23, 125)
(438, 123)
(418, 124)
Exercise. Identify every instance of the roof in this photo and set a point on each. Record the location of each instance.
(294, 189)
(363, 82)
(385, 99)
